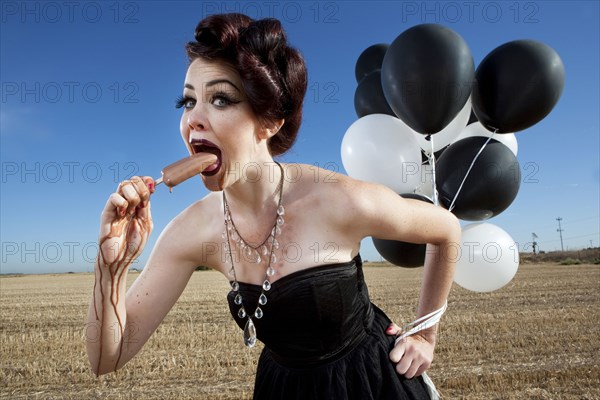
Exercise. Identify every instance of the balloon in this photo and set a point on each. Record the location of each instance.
(369, 98)
(488, 260)
(472, 117)
(426, 186)
(476, 129)
(491, 185)
(427, 74)
(518, 84)
(447, 135)
(402, 254)
(381, 148)
(437, 154)
(370, 60)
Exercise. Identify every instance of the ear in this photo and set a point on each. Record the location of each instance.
(271, 128)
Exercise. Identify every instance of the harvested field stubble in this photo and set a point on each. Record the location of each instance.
(536, 338)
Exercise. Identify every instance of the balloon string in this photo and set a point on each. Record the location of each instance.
(469, 170)
(431, 157)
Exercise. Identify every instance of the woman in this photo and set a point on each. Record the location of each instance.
(288, 245)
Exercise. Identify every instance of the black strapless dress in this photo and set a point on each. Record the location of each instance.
(324, 339)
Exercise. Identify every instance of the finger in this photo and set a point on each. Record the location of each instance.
(129, 192)
(398, 351)
(404, 364)
(424, 367)
(117, 204)
(143, 212)
(142, 189)
(149, 181)
(392, 329)
(412, 370)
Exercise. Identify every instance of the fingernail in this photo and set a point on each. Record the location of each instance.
(151, 186)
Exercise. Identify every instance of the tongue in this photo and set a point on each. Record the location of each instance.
(211, 167)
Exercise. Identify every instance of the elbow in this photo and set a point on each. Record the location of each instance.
(98, 370)
(456, 229)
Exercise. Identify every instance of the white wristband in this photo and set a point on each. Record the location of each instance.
(426, 321)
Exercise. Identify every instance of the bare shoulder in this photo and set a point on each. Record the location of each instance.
(188, 236)
(333, 195)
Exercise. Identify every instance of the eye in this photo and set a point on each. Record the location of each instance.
(222, 100)
(186, 102)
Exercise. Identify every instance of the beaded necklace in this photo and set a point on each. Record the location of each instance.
(254, 254)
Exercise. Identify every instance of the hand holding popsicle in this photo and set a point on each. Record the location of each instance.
(126, 221)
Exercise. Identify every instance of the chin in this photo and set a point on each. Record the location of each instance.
(214, 183)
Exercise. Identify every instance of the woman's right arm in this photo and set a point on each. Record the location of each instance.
(119, 322)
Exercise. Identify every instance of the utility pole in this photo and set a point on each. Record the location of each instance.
(560, 231)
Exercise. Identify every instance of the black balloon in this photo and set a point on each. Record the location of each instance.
(402, 254)
(369, 98)
(427, 75)
(370, 60)
(518, 84)
(436, 154)
(472, 117)
(491, 185)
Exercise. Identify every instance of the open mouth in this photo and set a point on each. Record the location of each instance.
(206, 146)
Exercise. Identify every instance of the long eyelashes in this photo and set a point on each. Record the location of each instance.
(183, 101)
(218, 99)
(222, 99)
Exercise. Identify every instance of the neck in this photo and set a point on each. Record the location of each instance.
(257, 190)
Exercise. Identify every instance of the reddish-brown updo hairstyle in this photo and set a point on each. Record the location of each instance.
(273, 74)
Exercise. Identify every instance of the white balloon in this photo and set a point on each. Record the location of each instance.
(476, 129)
(425, 187)
(488, 259)
(447, 135)
(381, 148)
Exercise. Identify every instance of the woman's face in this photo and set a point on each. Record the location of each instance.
(217, 119)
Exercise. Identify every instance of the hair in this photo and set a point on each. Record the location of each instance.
(273, 73)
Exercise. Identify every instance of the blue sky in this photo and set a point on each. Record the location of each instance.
(88, 92)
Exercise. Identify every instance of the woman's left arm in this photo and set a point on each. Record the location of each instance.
(381, 213)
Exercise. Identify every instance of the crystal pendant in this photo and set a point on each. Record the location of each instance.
(248, 251)
(273, 258)
(224, 235)
(242, 313)
(262, 300)
(276, 231)
(264, 250)
(235, 286)
(258, 313)
(280, 210)
(234, 236)
(266, 285)
(275, 244)
(250, 333)
(280, 220)
(270, 271)
(238, 299)
(258, 258)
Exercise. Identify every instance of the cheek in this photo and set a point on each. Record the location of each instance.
(184, 128)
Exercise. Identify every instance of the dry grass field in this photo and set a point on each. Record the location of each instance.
(537, 338)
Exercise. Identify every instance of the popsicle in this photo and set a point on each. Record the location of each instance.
(184, 169)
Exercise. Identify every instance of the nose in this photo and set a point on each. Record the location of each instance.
(196, 120)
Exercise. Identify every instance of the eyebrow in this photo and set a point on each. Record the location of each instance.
(212, 83)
